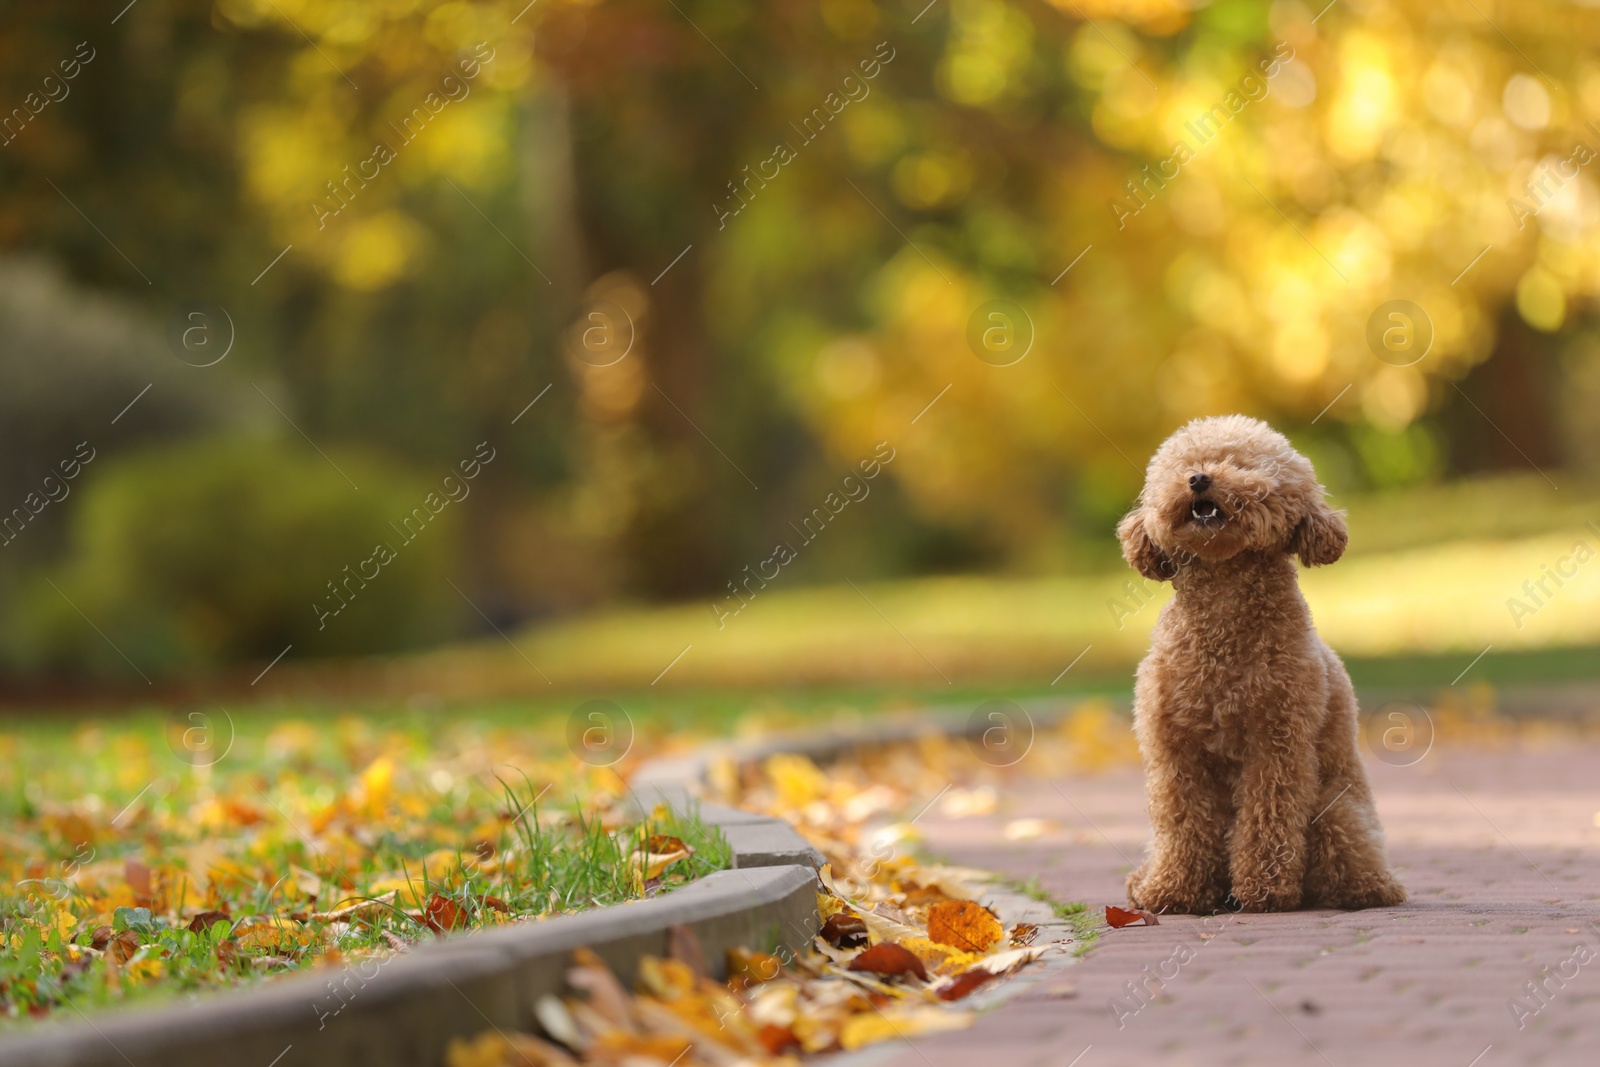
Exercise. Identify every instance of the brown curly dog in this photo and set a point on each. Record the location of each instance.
(1246, 720)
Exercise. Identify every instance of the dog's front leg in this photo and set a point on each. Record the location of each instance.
(1272, 800)
(1186, 870)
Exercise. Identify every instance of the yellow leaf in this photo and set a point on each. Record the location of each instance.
(797, 780)
(666, 978)
(873, 1026)
(145, 970)
(273, 935)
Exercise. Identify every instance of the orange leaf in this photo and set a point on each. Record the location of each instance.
(777, 1039)
(747, 967)
(442, 913)
(890, 961)
(964, 924)
(664, 843)
(1120, 917)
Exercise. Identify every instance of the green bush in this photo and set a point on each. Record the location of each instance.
(218, 550)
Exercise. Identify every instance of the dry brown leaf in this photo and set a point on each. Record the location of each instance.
(138, 879)
(962, 984)
(442, 914)
(1023, 934)
(207, 919)
(359, 909)
(606, 995)
(889, 960)
(1120, 917)
(964, 924)
(122, 946)
(845, 930)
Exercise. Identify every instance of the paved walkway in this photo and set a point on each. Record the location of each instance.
(1500, 851)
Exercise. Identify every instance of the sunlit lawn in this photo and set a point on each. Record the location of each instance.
(1442, 573)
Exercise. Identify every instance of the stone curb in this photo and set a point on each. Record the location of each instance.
(676, 781)
(403, 1010)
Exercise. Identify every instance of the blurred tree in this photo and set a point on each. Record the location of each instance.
(422, 214)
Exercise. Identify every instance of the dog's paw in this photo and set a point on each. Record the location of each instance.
(1385, 894)
(1170, 897)
(1266, 896)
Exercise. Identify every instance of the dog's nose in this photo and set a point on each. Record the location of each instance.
(1200, 481)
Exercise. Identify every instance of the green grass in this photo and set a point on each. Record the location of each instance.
(135, 867)
(1432, 576)
(1085, 922)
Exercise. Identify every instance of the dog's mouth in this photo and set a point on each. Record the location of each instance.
(1206, 512)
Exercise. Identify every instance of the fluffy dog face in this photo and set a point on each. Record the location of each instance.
(1225, 485)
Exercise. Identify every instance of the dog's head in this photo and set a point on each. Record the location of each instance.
(1224, 485)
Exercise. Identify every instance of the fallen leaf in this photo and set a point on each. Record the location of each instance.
(889, 960)
(1028, 829)
(777, 1040)
(942, 959)
(1003, 963)
(668, 979)
(962, 984)
(358, 909)
(845, 930)
(747, 967)
(1023, 934)
(270, 934)
(122, 946)
(606, 995)
(886, 929)
(442, 914)
(206, 920)
(964, 924)
(309, 884)
(870, 1027)
(1120, 917)
(653, 864)
(661, 843)
(138, 878)
(557, 1022)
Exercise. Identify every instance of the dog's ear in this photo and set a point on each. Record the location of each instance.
(1141, 552)
(1319, 538)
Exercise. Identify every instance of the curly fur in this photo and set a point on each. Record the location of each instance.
(1246, 720)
